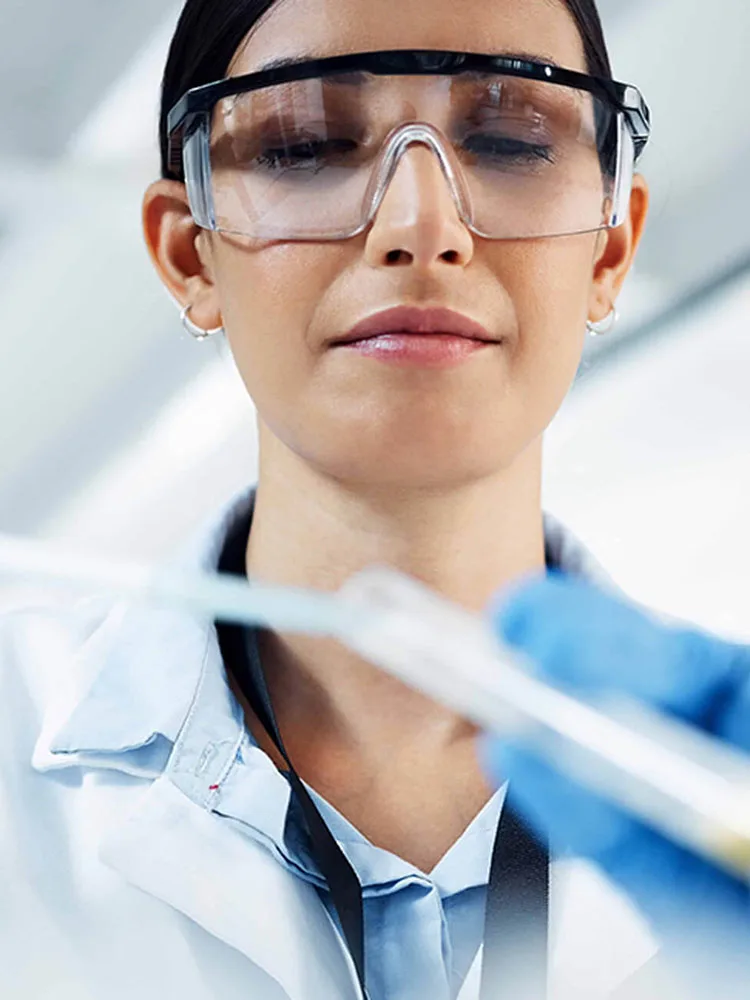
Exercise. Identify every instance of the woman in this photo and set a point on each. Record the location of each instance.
(404, 252)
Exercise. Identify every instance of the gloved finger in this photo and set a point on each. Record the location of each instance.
(580, 636)
(569, 818)
(733, 718)
(688, 898)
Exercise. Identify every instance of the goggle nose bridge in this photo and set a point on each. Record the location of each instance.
(394, 148)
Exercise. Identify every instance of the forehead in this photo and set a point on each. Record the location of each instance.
(541, 29)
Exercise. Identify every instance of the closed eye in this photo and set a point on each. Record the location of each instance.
(305, 155)
(507, 151)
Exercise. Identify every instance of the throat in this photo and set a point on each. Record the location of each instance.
(413, 798)
(415, 811)
(398, 767)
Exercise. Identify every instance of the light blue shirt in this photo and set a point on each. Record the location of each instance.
(422, 931)
(143, 709)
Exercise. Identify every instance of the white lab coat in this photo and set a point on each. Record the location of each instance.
(117, 886)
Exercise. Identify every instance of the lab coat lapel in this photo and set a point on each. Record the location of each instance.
(600, 946)
(203, 866)
(599, 940)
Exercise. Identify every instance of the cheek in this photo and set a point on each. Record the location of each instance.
(550, 284)
(269, 297)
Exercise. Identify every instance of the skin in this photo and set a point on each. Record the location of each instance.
(437, 472)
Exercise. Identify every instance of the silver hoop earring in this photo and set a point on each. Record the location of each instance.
(606, 325)
(196, 332)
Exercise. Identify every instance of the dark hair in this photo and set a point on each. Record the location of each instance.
(210, 32)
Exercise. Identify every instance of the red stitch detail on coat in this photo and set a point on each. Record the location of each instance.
(213, 788)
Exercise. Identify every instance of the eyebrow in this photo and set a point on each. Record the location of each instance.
(286, 61)
(309, 56)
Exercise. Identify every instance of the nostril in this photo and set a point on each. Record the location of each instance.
(394, 256)
(406, 257)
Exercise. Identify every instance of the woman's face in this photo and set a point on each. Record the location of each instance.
(352, 417)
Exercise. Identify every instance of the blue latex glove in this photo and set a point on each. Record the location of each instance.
(592, 642)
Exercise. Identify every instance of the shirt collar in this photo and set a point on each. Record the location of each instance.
(464, 865)
(258, 797)
(135, 678)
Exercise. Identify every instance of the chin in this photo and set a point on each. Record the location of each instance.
(407, 460)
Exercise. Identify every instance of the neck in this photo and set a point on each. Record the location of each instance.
(309, 531)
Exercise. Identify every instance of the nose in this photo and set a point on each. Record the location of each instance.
(417, 223)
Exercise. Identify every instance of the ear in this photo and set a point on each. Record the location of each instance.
(181, 251)
(615, 253)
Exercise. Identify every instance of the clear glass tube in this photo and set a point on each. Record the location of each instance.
(691, 787)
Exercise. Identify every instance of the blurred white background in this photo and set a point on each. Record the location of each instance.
(110, 414)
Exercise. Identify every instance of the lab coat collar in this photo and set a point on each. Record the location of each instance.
(204, 867)
(135, 677)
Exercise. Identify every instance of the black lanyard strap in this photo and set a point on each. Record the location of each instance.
(517, 915)
(516, 922)
(342, 880)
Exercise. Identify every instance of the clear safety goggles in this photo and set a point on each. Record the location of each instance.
(306, 150)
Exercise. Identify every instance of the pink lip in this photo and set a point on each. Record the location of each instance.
(430, 350)
(435, 338)
(410, 319)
